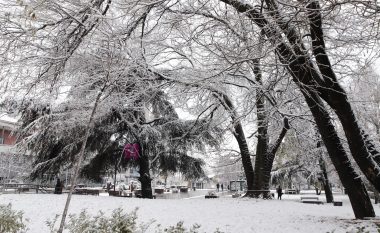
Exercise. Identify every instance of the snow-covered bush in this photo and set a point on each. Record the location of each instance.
(118, 222)
(179, 228)
(11, 221)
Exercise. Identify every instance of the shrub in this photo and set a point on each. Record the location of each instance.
(118, 222)
(11, 221)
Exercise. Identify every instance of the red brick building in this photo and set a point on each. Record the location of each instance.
(6, 137)
(12, 163)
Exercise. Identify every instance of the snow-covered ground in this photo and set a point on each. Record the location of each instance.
(227, 214)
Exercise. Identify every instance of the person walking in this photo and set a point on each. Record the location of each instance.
(217, 187)
(221, 186)
(279, 192)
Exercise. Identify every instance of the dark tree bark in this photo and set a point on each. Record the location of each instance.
(145, 179)
(272, 150)
(325, 181)
(324, 177)
(263, 166)
(238, 132)
(240, 138)
(264, 152)
(115, 174)
(336, 97)
(259, 185)
(143, 160)
(300, 66)
(356, 190)
(355, 187)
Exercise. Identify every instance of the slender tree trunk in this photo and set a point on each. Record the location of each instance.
(79, 160)
(240, 138)
(325, 181)
(115, 174)
(325, 178)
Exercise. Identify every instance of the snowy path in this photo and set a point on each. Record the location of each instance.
(230, 215)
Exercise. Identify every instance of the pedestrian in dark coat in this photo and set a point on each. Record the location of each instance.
(279, 192)
(58, 187)
(217, 187)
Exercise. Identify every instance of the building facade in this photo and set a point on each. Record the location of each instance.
(13, 165)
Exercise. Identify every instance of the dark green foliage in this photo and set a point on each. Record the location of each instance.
(54, 138)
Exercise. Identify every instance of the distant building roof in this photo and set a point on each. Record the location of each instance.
(8, 122)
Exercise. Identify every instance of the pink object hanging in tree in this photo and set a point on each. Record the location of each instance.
(132, 151)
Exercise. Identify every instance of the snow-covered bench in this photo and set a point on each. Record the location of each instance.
(211, 195)
(311, 200)
(119, 193)
(290, 191)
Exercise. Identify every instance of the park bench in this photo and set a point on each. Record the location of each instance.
(290, 191)
(183, 189)
(92, 192)
(311, 200)
(159, 190)
(22, 189)
(338, 203)
(119, 193)
(211, 195)
(83, 191)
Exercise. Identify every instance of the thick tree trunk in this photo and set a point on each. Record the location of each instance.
(307, 80)
(299, 67)
(360, 152)
(264, 153)
(143, 160)
(245, 155)
(356, 190)
(337, 98)
(272, 150)
(145, 180)
(260, 187)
